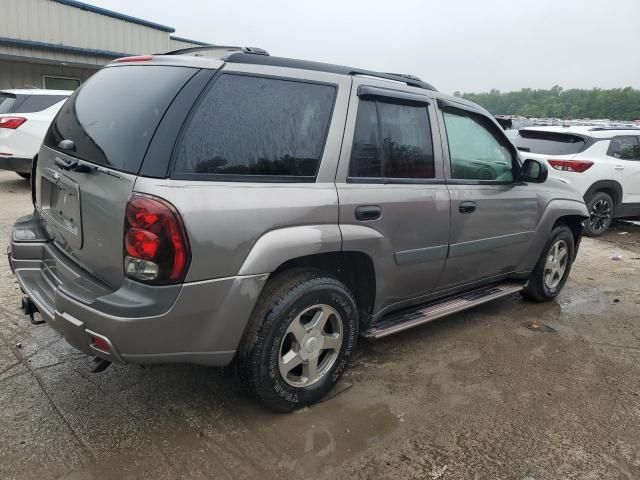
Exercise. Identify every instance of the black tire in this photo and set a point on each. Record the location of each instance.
(26, 176)
(283, 299)
(537, 288)
(600, 206)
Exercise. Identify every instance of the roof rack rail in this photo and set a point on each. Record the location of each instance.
(240, 56)
(222, 49)
(600, 129)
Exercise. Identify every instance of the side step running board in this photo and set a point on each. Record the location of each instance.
(406, 319)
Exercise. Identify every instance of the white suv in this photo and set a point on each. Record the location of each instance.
(25, 116)
(602, 163)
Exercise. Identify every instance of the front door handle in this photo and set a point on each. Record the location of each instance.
(368, 212)
(467, 207)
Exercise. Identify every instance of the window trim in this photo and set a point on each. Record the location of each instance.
(452, 107)
(398, 95)
(224, 177)
(399, 100)
(609, 152)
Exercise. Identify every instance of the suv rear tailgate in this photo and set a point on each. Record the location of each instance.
(91, 157)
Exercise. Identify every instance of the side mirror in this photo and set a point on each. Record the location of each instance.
(533, 171)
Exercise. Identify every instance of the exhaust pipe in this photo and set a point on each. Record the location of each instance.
(29, 308)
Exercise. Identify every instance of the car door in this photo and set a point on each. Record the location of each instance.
(624, 153)
(394, 203)
(493, 217)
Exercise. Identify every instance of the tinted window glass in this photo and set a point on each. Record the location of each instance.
(258, 126)
(624, 148)
(474, 150)
(37, 103)
(392, 141)
(7, 102)
(548, 143)
(113, 116)
(366, 154)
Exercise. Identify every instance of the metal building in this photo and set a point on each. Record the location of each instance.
(60, 43)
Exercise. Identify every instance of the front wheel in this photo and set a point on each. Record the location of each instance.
(553, 267)
(300, 338)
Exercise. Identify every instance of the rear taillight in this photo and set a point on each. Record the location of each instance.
(11, 122)
(577, 166)
(155, 242)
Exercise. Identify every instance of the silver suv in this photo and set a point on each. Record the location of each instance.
(265, 212)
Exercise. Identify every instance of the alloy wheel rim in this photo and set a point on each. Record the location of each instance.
(599, 215)
(556, 264)
(310, 346)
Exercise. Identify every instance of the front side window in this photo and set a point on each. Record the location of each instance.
(624, 148)
(474, 150)
(256, 126)
(392, 141)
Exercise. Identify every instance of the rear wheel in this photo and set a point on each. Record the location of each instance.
(553, 267)
(600, 207)
(299, 341)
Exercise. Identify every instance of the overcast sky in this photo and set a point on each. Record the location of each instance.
(465, 45)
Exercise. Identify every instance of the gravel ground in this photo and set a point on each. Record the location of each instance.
(474, 396)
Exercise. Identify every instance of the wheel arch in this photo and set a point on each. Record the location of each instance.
(610, 187)
(353, 268)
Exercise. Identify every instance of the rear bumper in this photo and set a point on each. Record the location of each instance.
(198, 322)
(15, 164)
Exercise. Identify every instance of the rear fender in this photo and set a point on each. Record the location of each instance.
(279, 246)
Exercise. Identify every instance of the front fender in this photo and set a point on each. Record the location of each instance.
(554, 210)
(278, 246)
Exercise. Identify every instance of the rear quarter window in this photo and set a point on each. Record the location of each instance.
(548, 143)
(113, 116)
(252, 128)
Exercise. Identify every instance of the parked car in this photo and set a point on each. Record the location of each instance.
(266, 212)
(25, 116)
(602, 163)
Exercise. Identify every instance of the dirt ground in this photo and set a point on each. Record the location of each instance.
(474, 396)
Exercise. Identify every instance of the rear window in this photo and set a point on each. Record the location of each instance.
(257, 128)
(113, 116)
(38, 103)
(548, 143)
(7, 102)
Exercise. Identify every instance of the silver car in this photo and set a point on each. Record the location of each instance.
(266, 212)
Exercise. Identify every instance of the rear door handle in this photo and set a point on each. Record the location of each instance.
(467, 207)
(368, 212)
(618, 167)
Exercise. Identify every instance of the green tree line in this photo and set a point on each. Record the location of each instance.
(614, 104)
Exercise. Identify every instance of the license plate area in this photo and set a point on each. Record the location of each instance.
(60, 203)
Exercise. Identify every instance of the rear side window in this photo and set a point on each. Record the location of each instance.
(257, 128)
(7, 102)
(38, 103)
(548, 143)
(624, 147)
(391, 141)
(113, 116)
